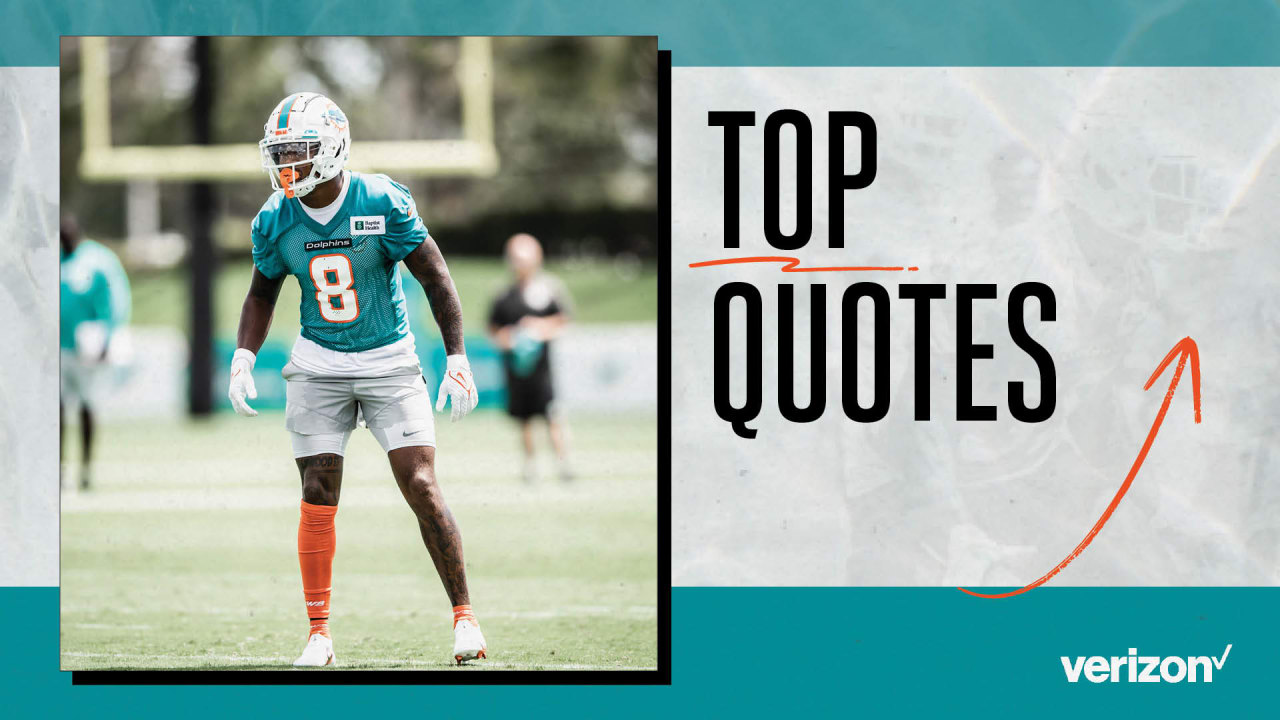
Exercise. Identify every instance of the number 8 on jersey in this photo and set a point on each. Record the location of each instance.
(333, 279)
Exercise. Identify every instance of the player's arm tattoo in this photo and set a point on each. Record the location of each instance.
(428, 266)
(259, 306)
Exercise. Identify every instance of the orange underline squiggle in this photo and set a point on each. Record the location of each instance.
(792, 265)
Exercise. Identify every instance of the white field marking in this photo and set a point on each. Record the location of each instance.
(224, 659)
(228, 659)
(107, 626)
(192, 658)
(286, 497)
(568, 611)
(565, 666)
(483, 468)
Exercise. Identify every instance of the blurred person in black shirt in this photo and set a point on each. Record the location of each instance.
(523, 322)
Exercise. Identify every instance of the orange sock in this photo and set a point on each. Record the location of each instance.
(463, 612)
(316, 545)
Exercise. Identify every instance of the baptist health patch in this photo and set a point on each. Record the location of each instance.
(368, 225)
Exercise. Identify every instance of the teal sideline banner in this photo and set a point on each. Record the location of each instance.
(802, 652)
(746, 33)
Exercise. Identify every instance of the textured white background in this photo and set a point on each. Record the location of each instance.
(29, 296)
(1146, 198)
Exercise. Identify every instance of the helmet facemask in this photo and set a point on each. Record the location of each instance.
(284, 160)
(314, 134)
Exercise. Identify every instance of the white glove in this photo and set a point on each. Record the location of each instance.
(459, 387)
(242, 382)
(91, 341)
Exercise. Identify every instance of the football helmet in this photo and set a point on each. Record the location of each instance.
(304, 129)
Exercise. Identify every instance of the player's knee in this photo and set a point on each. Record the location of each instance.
(316, 491)
(423, 484)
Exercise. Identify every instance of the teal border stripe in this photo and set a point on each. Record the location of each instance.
(725, 32)
(791, 652)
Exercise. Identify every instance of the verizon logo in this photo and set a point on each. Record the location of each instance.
(1143, 668)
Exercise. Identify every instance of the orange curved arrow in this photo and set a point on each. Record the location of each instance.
(1186, 348)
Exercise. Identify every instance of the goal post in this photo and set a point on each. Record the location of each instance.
(141, 167)
(473, 155)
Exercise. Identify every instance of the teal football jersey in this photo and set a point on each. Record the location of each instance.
(348, 270)
(94, 287)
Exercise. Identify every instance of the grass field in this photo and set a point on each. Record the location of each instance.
(184, 554)
(603, 291)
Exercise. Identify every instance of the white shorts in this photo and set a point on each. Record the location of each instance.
(81, 381)
(390, 438)
(321, 411)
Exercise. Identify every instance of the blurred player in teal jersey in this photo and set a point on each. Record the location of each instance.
(95, 305)
(342, 235)
(523, 321)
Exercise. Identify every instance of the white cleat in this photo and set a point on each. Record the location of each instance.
(317, 653)
(468, 643)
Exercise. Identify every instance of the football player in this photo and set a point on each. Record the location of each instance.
(95, 304)
(342, 235)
